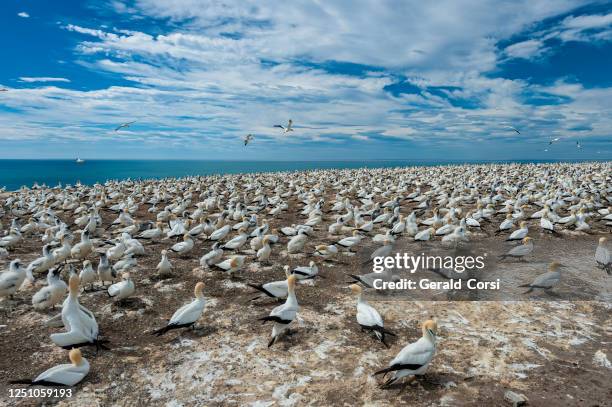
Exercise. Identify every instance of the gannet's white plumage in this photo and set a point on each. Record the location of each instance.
(188, 314)
(12, 279)
(61, 375)
(52, 293)
(414, 358)
(368, 318)
(122, 289)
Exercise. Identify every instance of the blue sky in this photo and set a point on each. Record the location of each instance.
(360, 79)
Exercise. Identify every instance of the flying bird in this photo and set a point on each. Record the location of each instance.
(578, 145)
(288, 128)
(514, 128)
(553, 140)
(247, 139)
(125, 125)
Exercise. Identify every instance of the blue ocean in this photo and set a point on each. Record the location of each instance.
(17, 173)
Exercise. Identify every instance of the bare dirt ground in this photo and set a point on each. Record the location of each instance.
(553, 350)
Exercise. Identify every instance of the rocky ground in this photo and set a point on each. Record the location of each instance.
(553, 350)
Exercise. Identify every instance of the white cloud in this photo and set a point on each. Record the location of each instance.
(526, 49)
(220, 71)
(23, 14)
(42, 79)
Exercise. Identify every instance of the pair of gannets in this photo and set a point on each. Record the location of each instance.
(80, 323)
(12, 279)
(284, 314)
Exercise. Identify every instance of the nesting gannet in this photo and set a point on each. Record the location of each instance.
(297, 242)
(213, 257)
(164, 267)
(125, 125)
(184, 247)
(274, 289)
(219, 234)
(306, 272)
(547, 280)
(520, 251)
(424, 235)
(286, 129)
(326, 251)
(105, 271)
(43, 263)
(602, 256)
(350, 242)
(61, 375)
(368, 318)
(12, 279)
(87, 274)
(122, 289)
(382, 251)
(82, 249)
(52, 293)
(414, 358)
(520, 233)
(231, 265)
(284, 314)
(263, 254)
(237, 242)
(188, 314)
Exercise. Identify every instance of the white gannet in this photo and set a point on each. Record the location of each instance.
(424, 235)
(237, 242)
(368, 318)
(297, 242)
(52, 293)
(284, 314)
(350, 242)
(520, 233)
(274, 289)
(152, 234)
(231, 265)
(520, 251)
(164, 267)
(105, 271)
(43, 263)
(213, 257)
(414, 358)
(122, 289)
(602, 256)
(547, 280)
(306, 272)
(286, 129)
(184, 247)
(12, 279)
(61, 375)
(220, 233)
(87, 274)
(188, 314)
(326, 251)
(82, 249)
(263, 254)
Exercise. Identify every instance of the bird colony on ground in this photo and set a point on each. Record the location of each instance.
(92, 238)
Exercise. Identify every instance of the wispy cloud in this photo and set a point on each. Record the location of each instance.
(212, 74)
(23, 14)
(42, 79)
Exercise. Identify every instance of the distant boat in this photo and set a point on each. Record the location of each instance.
(80, 161)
